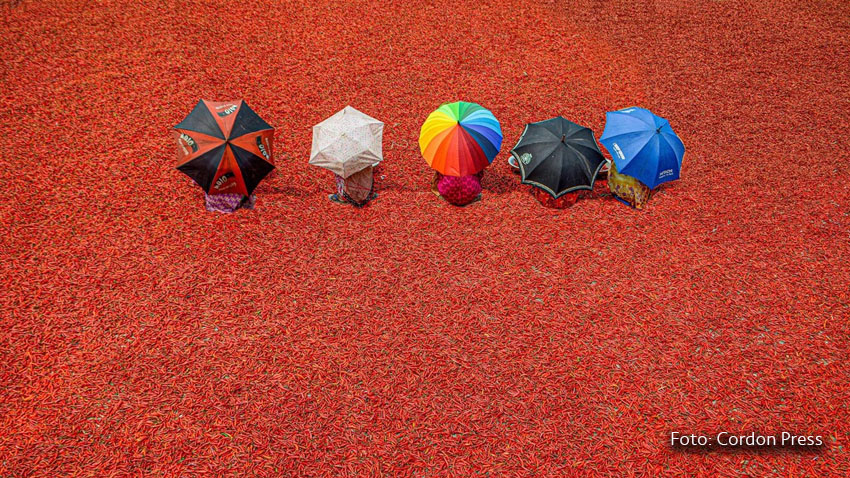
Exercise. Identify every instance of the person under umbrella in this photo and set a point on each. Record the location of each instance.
(357, 189)
(558, 158)
(226, 148)
(349, 144)
(458, 140)
(646, 153)
(627, 189)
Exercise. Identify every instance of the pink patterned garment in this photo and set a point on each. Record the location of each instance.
(340, 185)
(228, 203)
(461, 190)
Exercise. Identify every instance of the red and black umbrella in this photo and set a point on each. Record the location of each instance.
(225, 147)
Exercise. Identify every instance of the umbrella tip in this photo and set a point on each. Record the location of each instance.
(563, 138)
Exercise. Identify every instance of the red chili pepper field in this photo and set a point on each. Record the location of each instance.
(141, 335)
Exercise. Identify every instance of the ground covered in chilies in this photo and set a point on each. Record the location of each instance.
(143, 336)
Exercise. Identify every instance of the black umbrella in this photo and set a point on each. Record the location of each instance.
(558, 156)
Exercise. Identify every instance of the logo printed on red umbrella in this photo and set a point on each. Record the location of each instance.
(189, 141)
(220, 182)
(230, 109)
(262, 147)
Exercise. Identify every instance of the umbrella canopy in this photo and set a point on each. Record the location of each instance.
(347, 142)
(225, 147)
(643, 145)
(558, 156)
(460, 138)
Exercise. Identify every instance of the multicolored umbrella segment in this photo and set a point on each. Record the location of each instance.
(643, 145)
(225, 147)
(347, 142)
(460, 138)
(558, 156)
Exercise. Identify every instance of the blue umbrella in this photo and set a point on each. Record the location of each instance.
(643, 145)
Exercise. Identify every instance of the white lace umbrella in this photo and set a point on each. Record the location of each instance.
(347, 142)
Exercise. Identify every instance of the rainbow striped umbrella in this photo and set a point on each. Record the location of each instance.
(460, 138)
